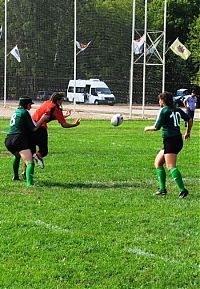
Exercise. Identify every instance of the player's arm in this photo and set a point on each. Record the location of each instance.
(44, 118)
(68, 124)
(185, 102)
(150, 128)
(68, 113)
(61, 119)
(188, 129)
(157, 125)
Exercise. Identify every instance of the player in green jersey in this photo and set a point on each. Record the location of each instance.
(169, 120)
(18, 140)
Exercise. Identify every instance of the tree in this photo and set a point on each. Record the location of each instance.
(177, 70)
(44, 33)
(193, 41)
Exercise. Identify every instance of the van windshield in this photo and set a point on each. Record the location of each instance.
(103, 90)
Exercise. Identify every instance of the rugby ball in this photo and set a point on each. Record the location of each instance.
(117, 119)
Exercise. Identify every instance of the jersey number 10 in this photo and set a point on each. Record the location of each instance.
(176, 118)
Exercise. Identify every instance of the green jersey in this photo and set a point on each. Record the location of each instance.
(169, 120)
(21, 122)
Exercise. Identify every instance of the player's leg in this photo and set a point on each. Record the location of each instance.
(170, 160)
(41, 140)
(160, 172)
(27, 157)
(16, 162)
(14, 144)
(32, 147)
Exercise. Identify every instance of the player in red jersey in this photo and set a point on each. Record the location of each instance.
(52, 108)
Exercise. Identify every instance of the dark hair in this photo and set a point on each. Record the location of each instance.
(57, 96)
(195, 90)
(24, 101)
(167, 98)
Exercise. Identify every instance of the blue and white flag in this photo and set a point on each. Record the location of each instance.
(15, 53)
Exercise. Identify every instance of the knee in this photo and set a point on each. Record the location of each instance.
(158, 164)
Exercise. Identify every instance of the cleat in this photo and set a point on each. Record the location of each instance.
(162, 192)
(24, 175)
(183, 194)
(39, 161)
(15, 178)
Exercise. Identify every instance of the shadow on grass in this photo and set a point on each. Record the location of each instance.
(91, 185)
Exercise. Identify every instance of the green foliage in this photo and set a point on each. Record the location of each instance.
(194, 36)
(181, 26)
(92, 221)
(44, 31)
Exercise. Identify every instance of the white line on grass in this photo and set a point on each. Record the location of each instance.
(147, 254)
(51, 227)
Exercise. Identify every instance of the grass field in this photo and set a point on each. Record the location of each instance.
(91, 220)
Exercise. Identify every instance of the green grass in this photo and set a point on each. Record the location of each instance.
(92, 221)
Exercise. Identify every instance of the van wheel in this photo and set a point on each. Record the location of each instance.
(96, 102)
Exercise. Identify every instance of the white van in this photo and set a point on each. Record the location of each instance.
(91, 91)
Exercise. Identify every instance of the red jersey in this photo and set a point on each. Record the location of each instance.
(51, 109)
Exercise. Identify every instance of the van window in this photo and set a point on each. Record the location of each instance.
(104, 90)
(93, 91)
(70, 89)
(80, 89)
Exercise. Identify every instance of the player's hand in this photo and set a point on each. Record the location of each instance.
(77, 121)
(45, 117)
(68, 113)
(149, 128)
(186, 136)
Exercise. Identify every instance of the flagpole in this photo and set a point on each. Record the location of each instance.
(74, 55)
(164, 44)
(132, 60)
(144, 62)
(5, 55)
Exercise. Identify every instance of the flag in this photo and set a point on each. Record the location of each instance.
(179, 49)
(15, 53)
(82, 46)
(139, 45)
(1, 31)
(152, 47)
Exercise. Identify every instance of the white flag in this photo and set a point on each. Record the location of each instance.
(15, 53)
(179, 49)
(139, 45)
(1, 31)
(82, 46)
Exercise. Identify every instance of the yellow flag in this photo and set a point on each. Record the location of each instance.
(179, 49)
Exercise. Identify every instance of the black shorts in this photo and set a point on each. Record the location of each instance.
(173, 145)
(18, 142)
(190, 113)
(40, 138)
